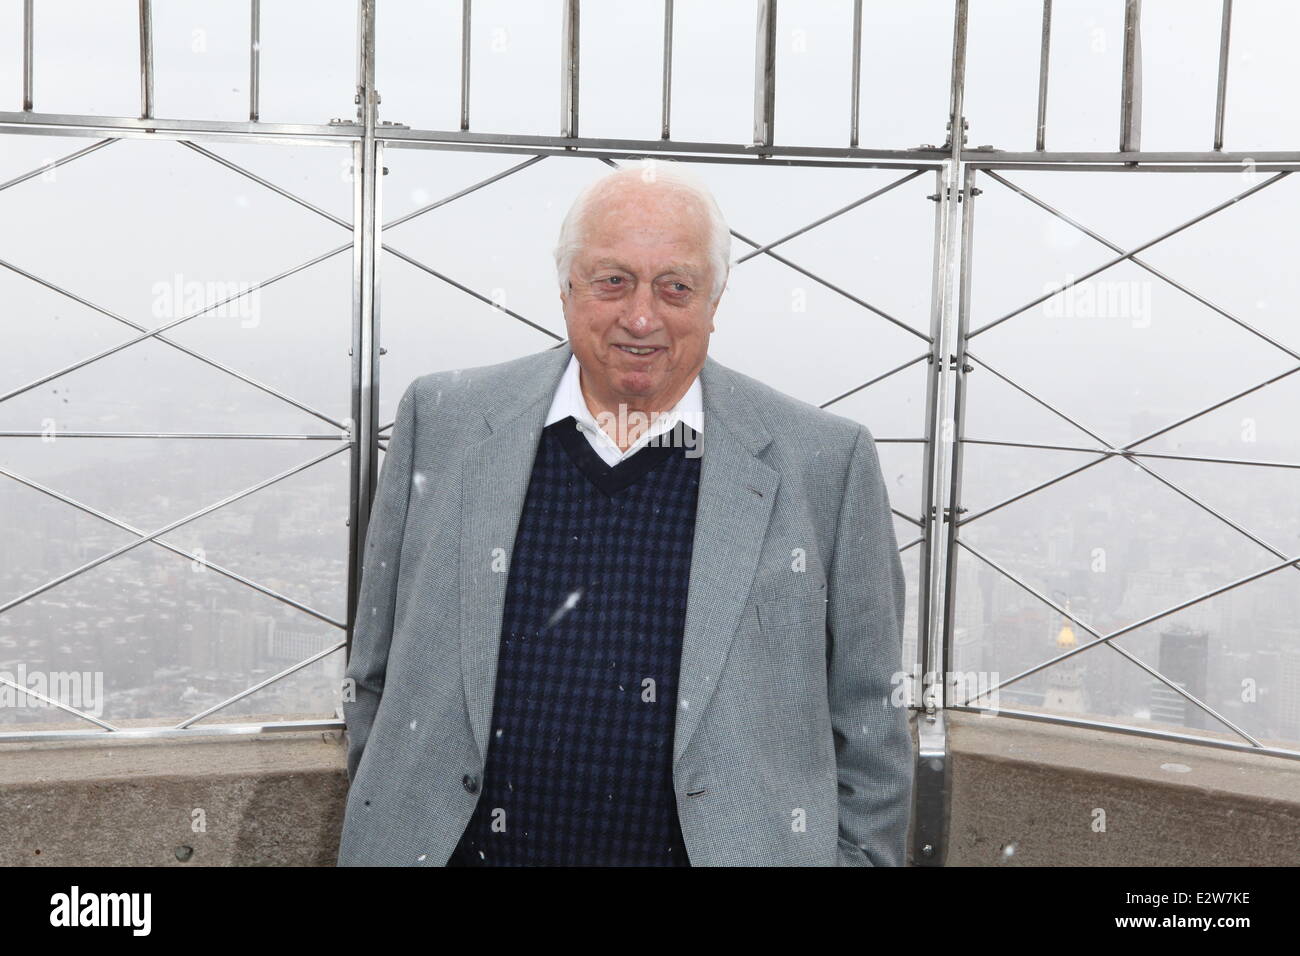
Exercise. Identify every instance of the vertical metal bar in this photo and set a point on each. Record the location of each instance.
(765, 74)
(933, 765)
(365, 369)
(464, 63)
(355, 510)
(957, 84)
(146, 59)
(28, 28)
(569, 69)
(254, 57)
(1221, 96)
(936, 431)
(855, 91)
(930, 823)
(933, 790)
(969, 192)
(668, 68)
(951, 350)
(1130, 106)
(376, 227)
(1044, 58)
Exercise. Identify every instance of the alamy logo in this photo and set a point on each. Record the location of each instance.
(82, 690)
(626, 426)
(102, 909)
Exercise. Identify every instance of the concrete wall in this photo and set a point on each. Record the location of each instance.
(1024, 793)
(1027, 793)
(275, 800)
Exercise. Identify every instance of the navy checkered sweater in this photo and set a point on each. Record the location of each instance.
(579, 763)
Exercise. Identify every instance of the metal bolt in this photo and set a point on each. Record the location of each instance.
(927, 850)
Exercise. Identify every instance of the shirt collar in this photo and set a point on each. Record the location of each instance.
(568, 401)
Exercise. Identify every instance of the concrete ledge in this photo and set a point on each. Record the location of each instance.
(272, 800)
(1036, 789)
(277, 800)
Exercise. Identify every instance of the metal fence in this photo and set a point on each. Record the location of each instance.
(960, 173)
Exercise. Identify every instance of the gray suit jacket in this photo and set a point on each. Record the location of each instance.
(788, 749)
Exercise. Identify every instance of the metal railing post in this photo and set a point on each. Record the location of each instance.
(765, 74)
(365, 353)
(930, 814)
(1225, 31)
(28, 29)
(855, 75)
(667, 92)
(570, 55)
(465, 14)
(934, 633)
(1044, 68)
(254, 58)
(146, 59)
(1130, 105)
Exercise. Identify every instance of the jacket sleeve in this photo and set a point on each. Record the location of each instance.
(865, 610)
(376, 603)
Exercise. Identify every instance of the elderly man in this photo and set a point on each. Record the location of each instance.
(622, 605)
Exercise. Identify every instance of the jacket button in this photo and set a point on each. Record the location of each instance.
(470, 783)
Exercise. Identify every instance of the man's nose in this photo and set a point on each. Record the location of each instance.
(641, 319)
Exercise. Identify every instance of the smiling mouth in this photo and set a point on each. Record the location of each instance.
(638, 349)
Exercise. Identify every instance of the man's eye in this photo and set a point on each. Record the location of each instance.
(615, 279)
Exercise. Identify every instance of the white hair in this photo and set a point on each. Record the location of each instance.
(670, 174)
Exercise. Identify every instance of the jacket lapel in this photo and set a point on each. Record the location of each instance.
(736, 493)
(732, 513)
(494, 483)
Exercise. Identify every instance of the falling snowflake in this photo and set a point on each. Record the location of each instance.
(569, 604)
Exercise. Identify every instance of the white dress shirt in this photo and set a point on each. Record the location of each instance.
(568, 401)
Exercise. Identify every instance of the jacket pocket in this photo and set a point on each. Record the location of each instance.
(805, 608)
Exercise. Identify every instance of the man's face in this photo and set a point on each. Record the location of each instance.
(641, 281)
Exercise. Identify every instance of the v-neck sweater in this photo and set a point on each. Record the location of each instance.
(579, 763)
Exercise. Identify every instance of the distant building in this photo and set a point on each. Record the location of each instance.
(1287, 695)
(1065, 680)
(1184, 659)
